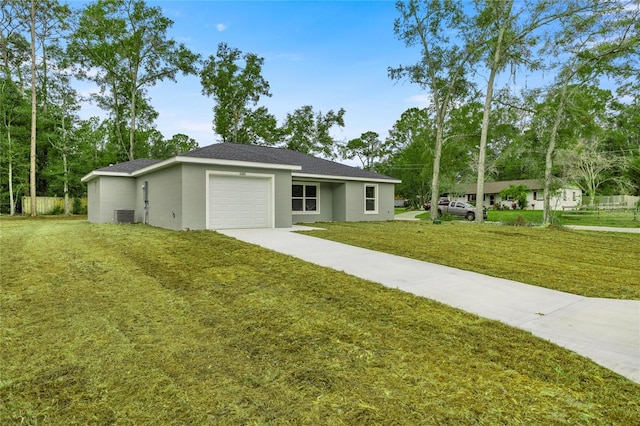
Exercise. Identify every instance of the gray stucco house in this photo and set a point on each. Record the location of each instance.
(227, 185)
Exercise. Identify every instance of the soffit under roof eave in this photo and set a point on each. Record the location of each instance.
(95, 174)
(343, 178)
(214, 162)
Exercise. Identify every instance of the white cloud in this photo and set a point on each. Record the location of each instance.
(221, 27)
(632, 7)
(421, 101)
(198, 129)
(194, 126)
(626, 99)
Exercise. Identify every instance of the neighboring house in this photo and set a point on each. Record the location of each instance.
(566, 197)
(227, 185)
(399, 202)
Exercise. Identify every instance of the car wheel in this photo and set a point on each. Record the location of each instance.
(471, 216)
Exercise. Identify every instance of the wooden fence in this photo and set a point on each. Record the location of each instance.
(611, 201)
(50, 205)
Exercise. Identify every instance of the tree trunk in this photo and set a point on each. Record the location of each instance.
(117, 117)
(132, 124)
(12, 201)
(435, 181)
(5, 57)
(66, 182)
(546, 219)
(32, 156)
(65, 167)
(495, 65)
(44, 76)
(483, 142)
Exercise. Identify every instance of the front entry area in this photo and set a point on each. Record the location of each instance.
(237, 201)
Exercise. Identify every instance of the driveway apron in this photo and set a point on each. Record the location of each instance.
(605, 330)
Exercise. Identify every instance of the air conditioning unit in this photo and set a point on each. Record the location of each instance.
(123, 216)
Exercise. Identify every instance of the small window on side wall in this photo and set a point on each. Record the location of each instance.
(371, 199)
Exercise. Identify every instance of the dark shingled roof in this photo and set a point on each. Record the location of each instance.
(269, 155)
(496, 187)
(259, 154)
(129, 166)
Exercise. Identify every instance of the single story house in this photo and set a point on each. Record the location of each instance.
(228, 185)
(567, 197)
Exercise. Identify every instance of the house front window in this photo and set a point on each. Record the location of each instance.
(371, 199)
(304, 198)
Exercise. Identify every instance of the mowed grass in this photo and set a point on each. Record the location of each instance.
(588, 263)
(622, 218)
(134, 325)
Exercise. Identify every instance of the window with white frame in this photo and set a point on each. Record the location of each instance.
(304, 198)
(371, 199)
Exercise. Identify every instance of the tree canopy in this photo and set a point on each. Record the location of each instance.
(580, 124)
(126, 43)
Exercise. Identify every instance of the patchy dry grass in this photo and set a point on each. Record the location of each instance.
(136, 325)
(594, 264)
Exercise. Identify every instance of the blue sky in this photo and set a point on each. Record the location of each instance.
(328, 54)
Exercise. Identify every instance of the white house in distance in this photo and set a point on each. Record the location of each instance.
(566, 197)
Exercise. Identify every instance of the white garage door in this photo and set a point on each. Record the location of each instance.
(239, 202)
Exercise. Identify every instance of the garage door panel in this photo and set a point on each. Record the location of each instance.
(238, 202)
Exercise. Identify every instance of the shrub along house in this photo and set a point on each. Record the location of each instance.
(227, 185)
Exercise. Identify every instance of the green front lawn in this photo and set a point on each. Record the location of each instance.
(107, 324)
(531, 217)
(628, 218)
(595, 264)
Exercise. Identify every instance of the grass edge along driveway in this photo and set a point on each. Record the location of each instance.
(138, 325)
(592, 264)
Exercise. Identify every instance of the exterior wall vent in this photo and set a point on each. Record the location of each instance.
(123, 216)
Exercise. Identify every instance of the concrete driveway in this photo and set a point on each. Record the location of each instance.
(605, 330)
